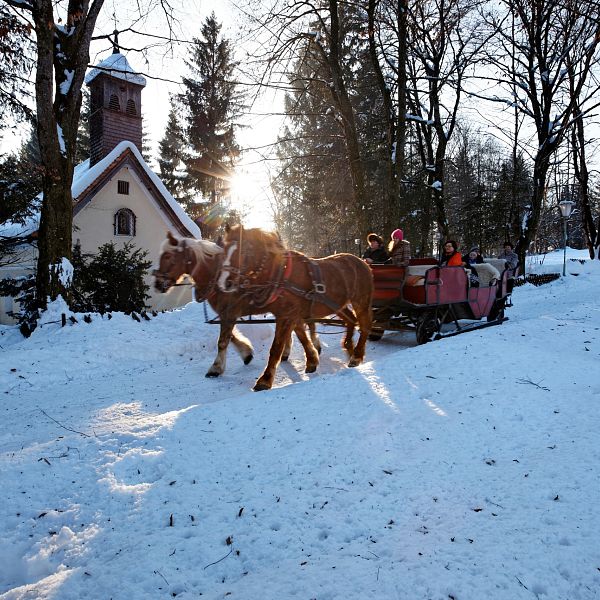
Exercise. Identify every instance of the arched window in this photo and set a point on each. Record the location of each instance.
(124, 222)
(131, 110)
(113, 103)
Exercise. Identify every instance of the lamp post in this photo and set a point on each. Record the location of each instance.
(357, 243)
(566, 208)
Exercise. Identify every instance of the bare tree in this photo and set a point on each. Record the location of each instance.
(445, 41)
(532, 62)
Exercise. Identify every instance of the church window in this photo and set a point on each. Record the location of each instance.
(125, 222)
(113, 103)
(131, 110)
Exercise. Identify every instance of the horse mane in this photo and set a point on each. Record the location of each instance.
(270, 241)
(202, 249)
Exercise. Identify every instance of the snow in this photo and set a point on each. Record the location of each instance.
(65, 271)
(116, 65)
(465, 468)
(65, 86)
(61, 140)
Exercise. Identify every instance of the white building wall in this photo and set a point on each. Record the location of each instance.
(96, 220)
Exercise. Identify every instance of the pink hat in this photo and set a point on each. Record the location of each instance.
(397, 234)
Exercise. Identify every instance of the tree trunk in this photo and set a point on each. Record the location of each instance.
(401, 117)
(532, 219)
(342, 101)
(62, 59)
(582, 176)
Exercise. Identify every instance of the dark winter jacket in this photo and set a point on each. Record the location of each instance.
(377, 255)
(479, 260)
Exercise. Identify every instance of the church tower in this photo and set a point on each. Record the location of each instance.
(115, 105)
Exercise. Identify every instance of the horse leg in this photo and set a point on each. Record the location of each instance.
(311, 353)
(287, 349)
(283, 329)
(314, 338)
(225, 335)
(364, 315)
(348, 342)
(242, 345)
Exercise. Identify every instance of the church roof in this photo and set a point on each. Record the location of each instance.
(116, 65)
(87, 181)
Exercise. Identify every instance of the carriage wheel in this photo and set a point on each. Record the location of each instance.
(428, 328)
(497, 312)
(376, 334)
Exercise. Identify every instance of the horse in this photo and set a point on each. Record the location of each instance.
(258, 269)
(201, 259)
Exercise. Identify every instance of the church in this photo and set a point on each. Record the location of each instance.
(116, 196)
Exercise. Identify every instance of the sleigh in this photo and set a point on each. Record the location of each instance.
(437, 302)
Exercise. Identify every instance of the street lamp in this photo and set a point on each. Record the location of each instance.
(566, 208)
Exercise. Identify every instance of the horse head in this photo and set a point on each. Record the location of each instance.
(248, 254)
(171, 263)
(184, 256)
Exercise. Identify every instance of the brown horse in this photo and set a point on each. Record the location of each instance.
(258, 270)
(201, 259)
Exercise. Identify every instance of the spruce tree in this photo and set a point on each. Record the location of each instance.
(211, 102)
(171, 156)
(21, 181)
(83, 131)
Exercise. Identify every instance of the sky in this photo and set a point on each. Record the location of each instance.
(462, 469)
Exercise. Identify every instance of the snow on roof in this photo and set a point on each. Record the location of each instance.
(84, 176)
(116, 65)
(11, 229)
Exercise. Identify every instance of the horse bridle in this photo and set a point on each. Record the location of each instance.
(244, 279)
(188, 262)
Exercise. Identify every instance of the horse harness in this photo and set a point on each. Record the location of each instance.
(263, 295)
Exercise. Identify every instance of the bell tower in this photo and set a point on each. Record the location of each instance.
(115, 104)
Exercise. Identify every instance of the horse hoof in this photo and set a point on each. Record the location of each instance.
(284, 358)
(310, 369)
(261, 387)
(248, 359)
(212, 374)
(354, 362)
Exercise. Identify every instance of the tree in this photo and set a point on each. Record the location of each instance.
(547, 42)
(63, 34)
(171, 153)
(21, 181)
(111, 280)
(16, 64)
(211, 103)
(61, 62)
(445, 42)
(314, 178)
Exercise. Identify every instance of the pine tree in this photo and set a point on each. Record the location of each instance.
(315, 180)
(171, 156)
(212, 103)
(21, 181)
(83, 132)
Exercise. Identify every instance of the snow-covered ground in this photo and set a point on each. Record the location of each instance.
(464, 469)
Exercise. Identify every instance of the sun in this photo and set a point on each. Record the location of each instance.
(251, 194)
